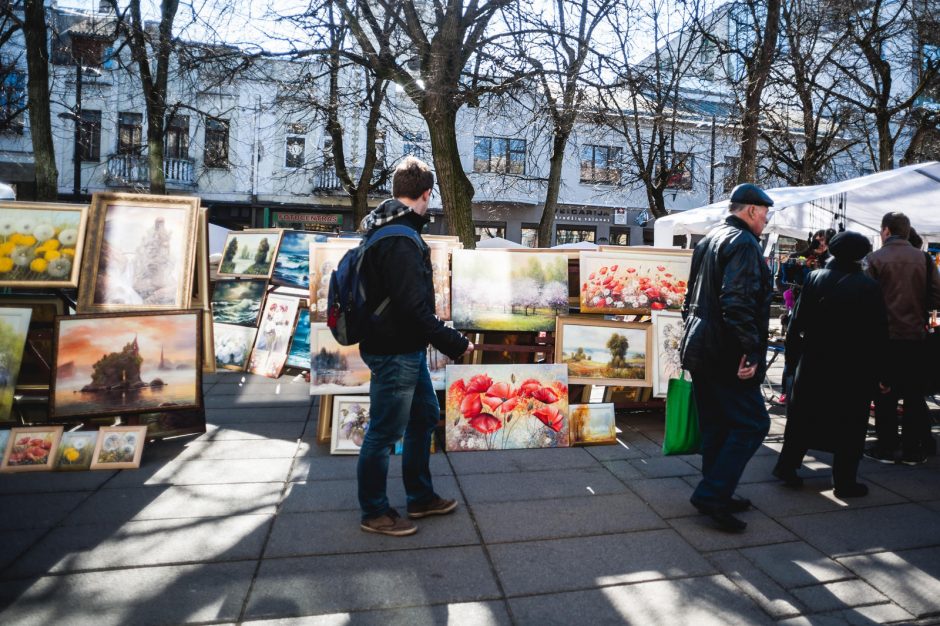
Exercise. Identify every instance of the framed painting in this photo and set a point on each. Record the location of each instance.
(41, 244)
(592, 424)
(4, 438)
(233, 345)
(604, 352)
(511, 291)
(437, 366)
(335, 369)
(440, 266)
(504, 407)
(292, 263)
(140, 253)
(31, 449)
(273, 339)
(634, 280)
(350, 424)
(36, 367)
(14, 328)
(324, 257)
(238, 302)
(119, 447)
(250, 253)
(667, 334)
(325, 419)
(299, 354)
(119, 363)
(75, 450)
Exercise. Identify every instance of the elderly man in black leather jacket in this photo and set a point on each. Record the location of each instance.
(727, 313)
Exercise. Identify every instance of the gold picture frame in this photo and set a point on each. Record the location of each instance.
(112, 218)
(583, 369)
(120, 438)
(53, 250)
(271, 255)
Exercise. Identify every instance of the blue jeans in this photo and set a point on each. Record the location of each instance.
(733, 421)
(403, 402)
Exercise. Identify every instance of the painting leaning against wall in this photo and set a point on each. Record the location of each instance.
(667, 364)
(335, 369)
(604, 352)
(14, 326)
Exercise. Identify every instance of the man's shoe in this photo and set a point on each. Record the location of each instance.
(918, 458)
(727, 522)
(877, 455)
(391, 524)
(738, 504)
(789, 477)
(857, 490)
(437, 506)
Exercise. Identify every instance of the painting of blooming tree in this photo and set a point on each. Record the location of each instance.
(503, 407)
(635, 281)
(667, 334)
(510, 291)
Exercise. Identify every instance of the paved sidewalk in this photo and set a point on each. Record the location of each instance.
(254, 522)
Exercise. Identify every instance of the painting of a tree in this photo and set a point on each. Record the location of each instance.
(604, 352)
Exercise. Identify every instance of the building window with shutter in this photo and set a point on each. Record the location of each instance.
(216, 144)
(89, 136)
(296, 145)
(130, 133)
(176, 145)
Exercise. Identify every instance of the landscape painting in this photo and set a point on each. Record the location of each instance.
(350, 424)
(508, 291)
(603, 352)
(504, 407)
(292, 264)
(634, 280)
(112, 364)
(250, 253)
(31, 449)
(41, 244)
(324, 257)
(119, 447)
(233, 345)
(335, 369)
(140, 254)
(299, 354)
(274, 333)
(14, 326)
(4, 438)
(593, 424)
(75, 450)
(667, 334)
(238, 301)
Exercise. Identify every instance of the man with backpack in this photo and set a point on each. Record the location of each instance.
(399, 295)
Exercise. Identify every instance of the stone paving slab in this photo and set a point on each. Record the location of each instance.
(41, 510)
(622, 470)
(663, 467)
(53, 482)
(341, 495)
(154, 542)
(918, 486)
(229, 415)
(503, 461)
(878, 613)
(15, 542)
(564, 517)
(264, 401)
(344, 467)
(626, 450)
(384, 580)
(839, 595)
(759, 587)
(537, 485)
(256, 431)
(225, 450)
(910, 578)
(145, 596)
(264, 391)
(796, 564)
(558, 565)
(208, 472)
(843, 533)
(669, 497)
(700, 532)
(476, 613)
(816, 496)
(704, 601)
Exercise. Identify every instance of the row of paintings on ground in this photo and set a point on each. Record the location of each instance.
(44, 448)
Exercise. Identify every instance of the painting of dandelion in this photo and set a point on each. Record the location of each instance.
(75, 450)
(41, 244)
(667, 334)
(250, 253)
(592, 424)
(604, 352)
(324, 257)
(292, 264)
(119, 447)
(233, 345)
(505, 407)
(350, 424)
(30, 449)
(238, 301)
(335, 369)
(274, 333)
(14, 325)
(634, 281)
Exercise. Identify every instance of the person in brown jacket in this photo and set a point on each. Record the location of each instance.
(909, 292)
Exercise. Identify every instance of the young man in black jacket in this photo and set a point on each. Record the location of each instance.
(403, 401)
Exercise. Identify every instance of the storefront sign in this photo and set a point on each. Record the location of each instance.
(328, 222)
(620, 217)
(582, 215)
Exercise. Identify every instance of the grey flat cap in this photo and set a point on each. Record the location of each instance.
(749, 193)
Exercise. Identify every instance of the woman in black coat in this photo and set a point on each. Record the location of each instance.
(835, 341)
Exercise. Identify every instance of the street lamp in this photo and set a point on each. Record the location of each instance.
(76, 116)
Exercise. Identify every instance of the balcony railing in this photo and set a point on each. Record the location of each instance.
(328, 181)
(131, 169)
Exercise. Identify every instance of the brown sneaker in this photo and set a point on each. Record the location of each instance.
(391, 524)
(437, 506)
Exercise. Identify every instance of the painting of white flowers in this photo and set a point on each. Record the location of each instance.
(41, 244)
(350, 424)
(119, 447)
(667, 333)
(233, 345)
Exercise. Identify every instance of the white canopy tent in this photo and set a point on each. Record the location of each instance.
(498, 242)
(914, 190)
(6, 192)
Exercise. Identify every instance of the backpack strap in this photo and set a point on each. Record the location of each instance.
(384, 232)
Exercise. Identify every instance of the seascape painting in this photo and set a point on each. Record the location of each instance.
(634, 280)
(238, 301)
(350, 424)
(504, 407)
(299, 354)
(41, 244)
(119, 447)
(126, 363)
(14, 326)
(292, 264)
(335, 369)
(75, 450)
(667, 334)
(274, 333)
(31, 449)
(603, 352)
(324, 257)
(250, 253)
(592, 424)
(508, 291)
(233, 345)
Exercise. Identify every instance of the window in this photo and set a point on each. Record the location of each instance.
(130, 133)
(499, 155)
(619, 236)
(731, 173)
(296, 145)
(680, 176)
(416, 145)
(930, 61)
(89, 136)
(216, 148)
(574, 234)
(176, 145)
(530, 235)
(600, 164)
(489, 231)
(12, 96)
(87, 51)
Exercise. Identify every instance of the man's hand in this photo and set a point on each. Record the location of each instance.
(469, 350)
(883, 388)
(746, 371)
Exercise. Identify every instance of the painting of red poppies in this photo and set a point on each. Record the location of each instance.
(504, 407)
(634, 280)
(31, 449)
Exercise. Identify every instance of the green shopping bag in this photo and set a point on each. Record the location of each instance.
(682, 434)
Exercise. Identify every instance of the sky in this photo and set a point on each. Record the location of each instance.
(85, 341)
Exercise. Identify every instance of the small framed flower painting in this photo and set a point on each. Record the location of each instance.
(31, 449)
(604, 352)
(41, 244)
(350, 424)
(119, 447)
(667, 334)
(75, 450)
(233, 345)
(634, 280)
(593, 424)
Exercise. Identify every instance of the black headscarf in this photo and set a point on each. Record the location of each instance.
(849, 247)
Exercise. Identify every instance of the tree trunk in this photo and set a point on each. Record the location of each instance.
(456, 189)
(556, 162)
(656, 199)
(885, 142)
(40, 122)
(360, 203)
(757, 78)
(155, 114)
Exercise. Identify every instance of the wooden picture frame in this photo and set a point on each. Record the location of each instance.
(325, 419)
(339, 442)
(592, 424)
(202, 296)
(75, 450)
(113, 443)
(271, 235)
(666, 364)
(56, 238)
(113, 219)
(22, 450)
(584, 369)
(633, 280)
